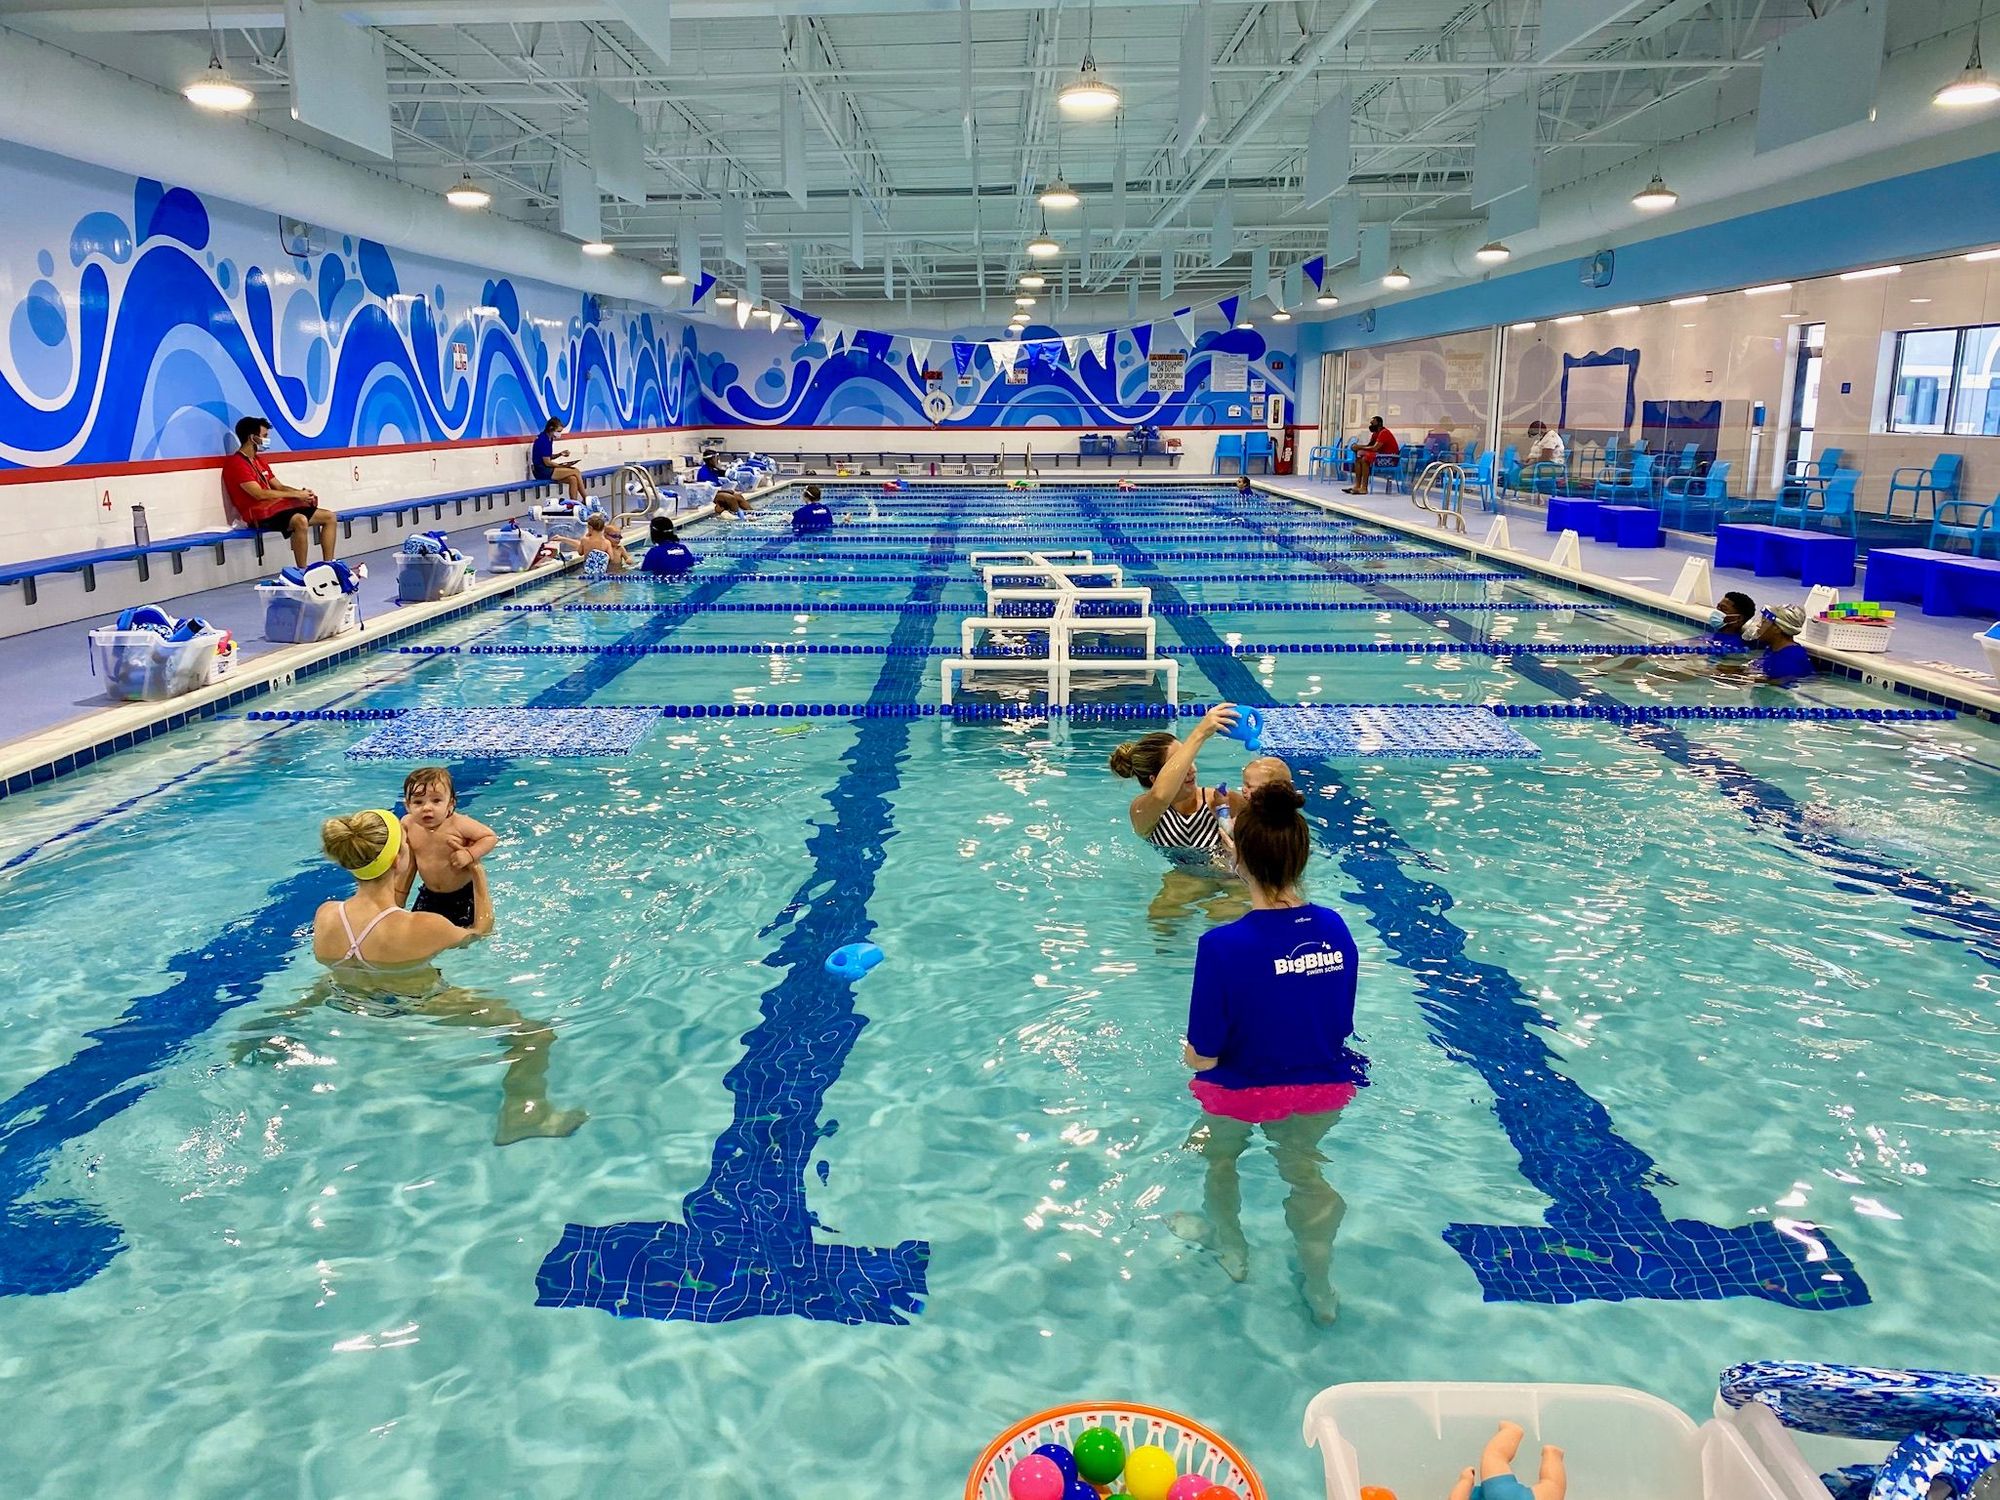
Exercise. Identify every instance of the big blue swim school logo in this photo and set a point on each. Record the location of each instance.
(1311, 958)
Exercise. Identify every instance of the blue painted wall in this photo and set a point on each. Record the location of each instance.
(751, 378)
(142, 320)
(1927, 213)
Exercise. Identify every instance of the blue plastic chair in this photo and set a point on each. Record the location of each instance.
(1688, 465)
(1228, 447)
(1984, 527)
(1390, 469)
(1319, 462)
(1940, 481)
(1479, 479)
(1635, 483)
(1257, 448)
(1794, 502)
(1510, 469)
(1683, 492)
(1823, 467)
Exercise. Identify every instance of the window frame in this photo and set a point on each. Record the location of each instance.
(1949, 390)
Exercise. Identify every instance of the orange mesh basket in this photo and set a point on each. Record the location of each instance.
(1195, 1450)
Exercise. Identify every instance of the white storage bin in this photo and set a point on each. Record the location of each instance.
(558, 521)
(1619, 1444)
(510, 549)
(1843, 635)
(292, 614)
(422, 577)
(144, 665)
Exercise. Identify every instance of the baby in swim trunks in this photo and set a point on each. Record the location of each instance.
(1495, 1475)
(445, 843)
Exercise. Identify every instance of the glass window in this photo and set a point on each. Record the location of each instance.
(1947, 380)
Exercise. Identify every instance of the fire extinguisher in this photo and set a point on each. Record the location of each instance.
(1285, 453)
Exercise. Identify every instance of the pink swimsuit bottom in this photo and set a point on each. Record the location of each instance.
(1261, 1106)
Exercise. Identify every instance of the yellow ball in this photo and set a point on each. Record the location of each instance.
(1149, 1473)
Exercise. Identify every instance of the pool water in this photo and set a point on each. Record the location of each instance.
(1684, 1043)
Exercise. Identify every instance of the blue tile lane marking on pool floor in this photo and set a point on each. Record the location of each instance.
(744, 1246)
(52, 1245)
(1606, 1237)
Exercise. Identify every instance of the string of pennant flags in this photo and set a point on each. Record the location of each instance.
(1006, 352)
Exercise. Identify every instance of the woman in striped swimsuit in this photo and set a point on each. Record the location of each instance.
(1178, 816)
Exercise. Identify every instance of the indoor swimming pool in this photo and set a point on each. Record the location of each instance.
(1682, 1036)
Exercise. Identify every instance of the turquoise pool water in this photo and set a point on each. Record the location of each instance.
(1685, 1047)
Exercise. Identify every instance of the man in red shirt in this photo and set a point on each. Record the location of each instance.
(1381, 444)
(267, 504)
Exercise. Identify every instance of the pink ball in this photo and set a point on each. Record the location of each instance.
(1187, 1487)
(1036, 1478)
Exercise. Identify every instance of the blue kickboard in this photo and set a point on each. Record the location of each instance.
(446, 734)
(1447, 732)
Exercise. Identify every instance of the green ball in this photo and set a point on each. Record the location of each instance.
(1100, 1455)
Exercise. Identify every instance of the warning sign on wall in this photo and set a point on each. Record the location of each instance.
(1165, 372)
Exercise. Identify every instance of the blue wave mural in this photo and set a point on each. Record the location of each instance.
(758, 379)
(144, 320)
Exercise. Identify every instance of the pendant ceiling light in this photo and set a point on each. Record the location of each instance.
(1033, 282)
(1655, 195)
(597, 247)
(466, 193)
(1089, 95)
(213, 88)
(1492, 253)
(1059, 194)
(1327, 299)
(672, 278)
(1041, 247)
(725, 299)
(1975, 85)
(1397, 279)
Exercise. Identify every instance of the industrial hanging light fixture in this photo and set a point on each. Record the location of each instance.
(597, 247)
(725, 298)
(213, 88)
(1089, 95)
(672, 278)
(1032, 282)
(1655, 196)
(1327, 299)
(1975, 85)
(1041, 247)
(1059, 194)
(1397, 279)
(1492, 253)
(1024, 300)
(467, 194)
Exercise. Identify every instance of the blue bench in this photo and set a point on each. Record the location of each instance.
(1778, 552)
(176, 549)
(1944, 583)
(1628, 525)
(1572, 513)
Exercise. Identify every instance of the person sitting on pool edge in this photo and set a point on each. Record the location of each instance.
(374, 950)
(1776, 632)
(266, 503)
(727, 502)
(552, 467)
(1267, 1038)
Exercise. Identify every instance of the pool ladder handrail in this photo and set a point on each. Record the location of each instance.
(1446, 477)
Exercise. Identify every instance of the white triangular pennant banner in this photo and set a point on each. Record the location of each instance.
(1004, 351)
(1184, 320)
(1100, 345)
(1075, 344)
(920, 351)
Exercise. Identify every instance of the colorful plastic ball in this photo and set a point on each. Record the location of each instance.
(1082, 1489)
(1218, 1492)
(1036, 1478)
(1100, 1455)
(1189, 1487)
(1061, 1457)
(1149, 1473)
(1376, 1492)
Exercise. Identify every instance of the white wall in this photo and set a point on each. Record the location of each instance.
(1197, 443)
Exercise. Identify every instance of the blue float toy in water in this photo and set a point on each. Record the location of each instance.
(1249, 728)
(853, 961)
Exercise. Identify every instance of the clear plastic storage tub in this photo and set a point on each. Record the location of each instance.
(421, 577)
(1619, 1444)
(144, 665)
(509, 549)
(292, 614)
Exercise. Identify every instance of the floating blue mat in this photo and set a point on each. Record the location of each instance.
(1394, 733)
(445, 734)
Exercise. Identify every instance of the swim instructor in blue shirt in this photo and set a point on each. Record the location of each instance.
(1268, 1027)
(551, 466)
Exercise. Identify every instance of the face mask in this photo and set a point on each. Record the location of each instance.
(1753, 628)
(1715, 618)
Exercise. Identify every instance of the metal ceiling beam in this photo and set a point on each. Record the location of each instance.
(188, 15)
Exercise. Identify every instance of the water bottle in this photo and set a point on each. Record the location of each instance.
(142, 535)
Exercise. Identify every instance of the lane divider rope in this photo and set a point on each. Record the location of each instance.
(1614, 713)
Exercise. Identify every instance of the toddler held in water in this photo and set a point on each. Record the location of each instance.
(444, 842)
(1495, 1475)
(1265, 770)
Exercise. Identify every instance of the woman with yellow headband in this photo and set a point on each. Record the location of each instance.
(375, 950)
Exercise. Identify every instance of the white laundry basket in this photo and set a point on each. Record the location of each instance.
(1414, 1438)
